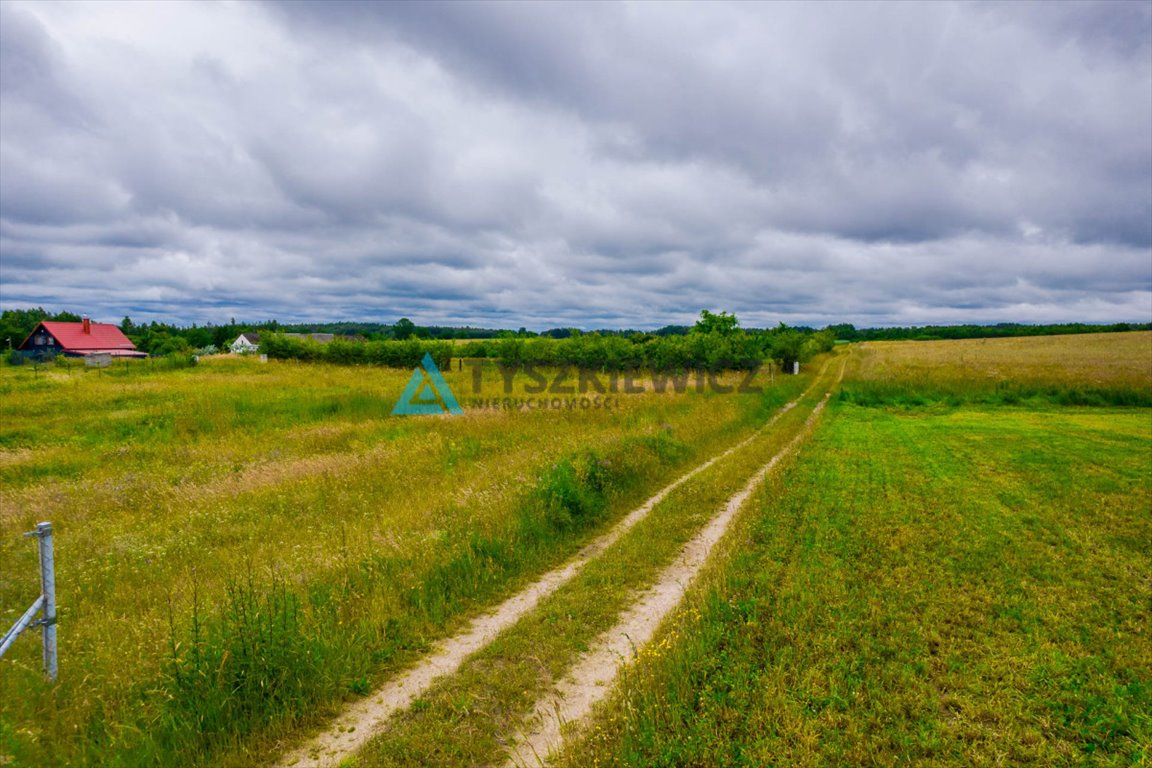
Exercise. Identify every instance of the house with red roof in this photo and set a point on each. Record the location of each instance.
(81, 339)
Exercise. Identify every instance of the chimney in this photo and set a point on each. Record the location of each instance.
(87, 325)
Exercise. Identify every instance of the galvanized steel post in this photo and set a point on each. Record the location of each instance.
(45, 603)
(48, 590)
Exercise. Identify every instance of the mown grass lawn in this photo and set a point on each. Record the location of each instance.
(930, 586)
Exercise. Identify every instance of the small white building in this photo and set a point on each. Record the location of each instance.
(246, 343)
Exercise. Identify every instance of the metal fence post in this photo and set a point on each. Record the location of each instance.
(48, 589)
(45, 603)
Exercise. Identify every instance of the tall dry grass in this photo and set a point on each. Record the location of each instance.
(242, 545)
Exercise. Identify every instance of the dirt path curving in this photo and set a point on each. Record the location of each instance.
(362, 720)
(591, 678)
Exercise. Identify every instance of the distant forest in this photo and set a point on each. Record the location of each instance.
(164, 338)
(848, 332)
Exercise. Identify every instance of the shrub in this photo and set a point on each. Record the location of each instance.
(571, 492)
(177, 360)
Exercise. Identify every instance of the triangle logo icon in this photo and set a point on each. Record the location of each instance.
(427, 393)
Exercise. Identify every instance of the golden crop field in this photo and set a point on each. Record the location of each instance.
(1095, 359)
(1089, 369)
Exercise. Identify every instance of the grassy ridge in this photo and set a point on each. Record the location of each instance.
(952, 589)
(241, 546)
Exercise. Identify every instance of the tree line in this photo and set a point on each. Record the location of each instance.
(715, 342)
(849, 332)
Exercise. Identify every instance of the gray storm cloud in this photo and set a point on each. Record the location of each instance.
(578, 164)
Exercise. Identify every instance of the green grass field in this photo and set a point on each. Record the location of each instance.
(945, 586)
(952, 571)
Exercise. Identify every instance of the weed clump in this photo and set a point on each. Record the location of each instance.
(252, 663)
(571, 492)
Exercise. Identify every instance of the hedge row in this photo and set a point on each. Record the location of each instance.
(395, 354)
(699, 351)
(695, 351)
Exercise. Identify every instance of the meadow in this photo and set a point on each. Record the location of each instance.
(953, 570)
(242, 546)
(946, 576)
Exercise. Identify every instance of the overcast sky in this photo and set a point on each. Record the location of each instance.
(586, 164)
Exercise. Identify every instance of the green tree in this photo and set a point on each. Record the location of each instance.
(404, 329)
(16, 324)
(844, 331)
(787, 345)
(724, 324)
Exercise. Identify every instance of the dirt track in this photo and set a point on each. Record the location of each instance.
(588, 681)
(592, 676)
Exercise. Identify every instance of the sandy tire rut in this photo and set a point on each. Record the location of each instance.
(590, 678)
